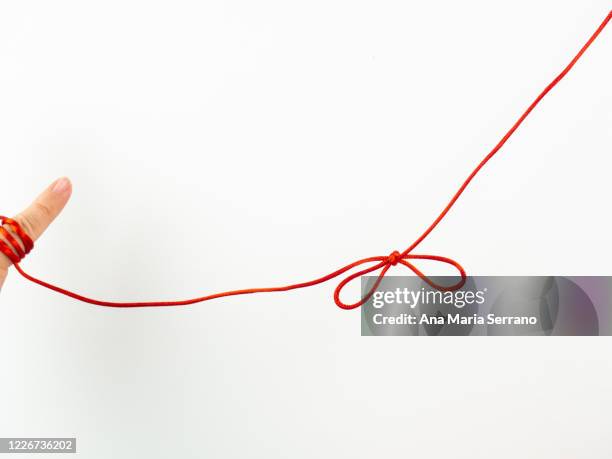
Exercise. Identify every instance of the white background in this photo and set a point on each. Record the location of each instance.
(221, 145)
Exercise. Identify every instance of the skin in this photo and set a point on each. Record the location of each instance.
(39, 215)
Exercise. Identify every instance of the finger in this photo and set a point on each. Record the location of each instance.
(39, 215)
(45, 208)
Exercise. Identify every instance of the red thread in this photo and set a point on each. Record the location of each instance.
(16, 251)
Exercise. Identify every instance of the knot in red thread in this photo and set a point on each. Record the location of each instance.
(394, 258)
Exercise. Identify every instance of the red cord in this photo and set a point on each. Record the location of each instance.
(16, 251)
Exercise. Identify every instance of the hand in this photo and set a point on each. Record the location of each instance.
(36, 218)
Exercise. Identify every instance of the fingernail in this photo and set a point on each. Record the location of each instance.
(61, 185)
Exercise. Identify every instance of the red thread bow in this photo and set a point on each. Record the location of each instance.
(384, 264)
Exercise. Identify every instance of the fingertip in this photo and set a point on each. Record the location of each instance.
(62, 186)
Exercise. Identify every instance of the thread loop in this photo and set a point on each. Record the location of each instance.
(14, 242)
